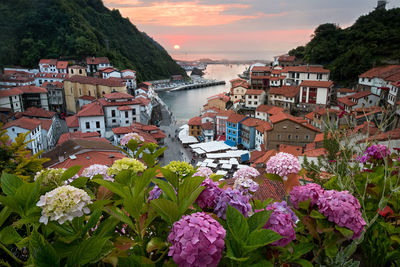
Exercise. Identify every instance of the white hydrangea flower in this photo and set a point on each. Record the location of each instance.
(96, 169)
(245, 184)
(63, 203)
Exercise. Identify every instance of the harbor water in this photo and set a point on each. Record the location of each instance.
(188, 103)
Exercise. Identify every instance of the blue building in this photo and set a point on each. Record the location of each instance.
(233, 129)
(248, 132)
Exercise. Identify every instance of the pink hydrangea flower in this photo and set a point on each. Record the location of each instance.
(282, 222)
(283, 164)
(209, 196)
(234, 198)
(246, 172)
(343, 209)
(203, 172)
(96, 169)
(126, 138)
(374, 152)
(155, 193)
(197, 240)
(303, 193)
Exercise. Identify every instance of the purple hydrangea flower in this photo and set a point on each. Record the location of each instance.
(282, 222)
(234, 198)
(283, 164)
(155, 193)
(374, 152)
(246, 185)
(96, 169)
(303, 193)
(209, 196)
(129, 136)
(203, 172)
(197, 240)
(246, 172)
(343, 209)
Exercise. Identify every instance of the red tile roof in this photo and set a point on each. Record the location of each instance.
(345, 90)
(195, 121)
(77, 135)
(389, 135)
(48, 61)
(109, 70)
(150, 133)
(24, 123)
(125, 108)
(284, 116)
(306, 69)
(118, 95)
(62, 64)
(30, 89)
(72, 121)
(286, 58)
(264, 159)
(51, 75)
(88, 98)
(251, 122)
(209, 114)
(269, 109)
(261, 69)
(319, 138)
(46, 123)
(128, 70)
(97, 60)
(106, 103)
(346, 100)
(55, 84)
(315, 152)
(287, 91)
(92, 109)
(381, 72)
(323, 111)
(318, 84)
(207, 126)
(38, 112)
(263, 126)
(254, 92)
(225, 113)
(96, 81)
(361, 94)
(10, 92)
(87, 159)
(294, 150)
(309, 116)
(235, 118)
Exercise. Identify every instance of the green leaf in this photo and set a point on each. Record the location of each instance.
(262, 263)
(344, 231)
(188, 192)
(11, 203)
(87, 251)
(261, 238)
(42, 253)
(273, 177)
(155, 244)
(134, 205)
(258, 220)
(148, 159)
(107, 227)
(237, 225)
(303, 262)
(167, 209)
(124, 177)
(10, 183)
(317, 215)
(113, 187)
(159, 152)
(171, 177)
(9, 235)
(331, 250)
(305, 205)
(143, 181)
(120, 215)
(135, 261)
(94, 218)
(80, 182)
(4, 214)
(166, 188)
(70, 172)
(301, 249)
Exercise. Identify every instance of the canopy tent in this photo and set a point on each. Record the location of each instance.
(233, 161)
(227, 154)
(185, 137)
(220, 172)
(212, 146)
(199, 164)
(209, 160)
(212, 165)
(199, 151)
(240, 166)
(226, 166)
(224, 161)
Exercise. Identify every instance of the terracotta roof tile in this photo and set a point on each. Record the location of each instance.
(261, 69)
(294, 150)
(252, 122)
(225, 113)
(254, 92)
(38, 112)
(306, 69)
(92, 109)
(106, 103)
(76, 135)
(46, 123)
(62, 64)
(269, 109)
(96, 81)
(381, 72)
(24, 123)
(209, 114)
(346, 100)
(318, 84)
(284, 116)
(72, 121)
(345, 90)
(48, 61)
(10, 92)
(309, 116)
(30, 89)
(263, 126)
(208, 126)
(315, 152)
(97, 60)
(287, 91)
(118, 95)
(235, 118)
(195, 121)
(88, 98)
(53, 84)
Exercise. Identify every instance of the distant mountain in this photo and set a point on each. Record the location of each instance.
(373, 40)
(74, 29)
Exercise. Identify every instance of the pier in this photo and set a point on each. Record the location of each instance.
(199, 83)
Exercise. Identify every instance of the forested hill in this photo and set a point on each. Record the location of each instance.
(373, 40)
(74, 29)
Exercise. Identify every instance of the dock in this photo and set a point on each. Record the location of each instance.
(203, 83)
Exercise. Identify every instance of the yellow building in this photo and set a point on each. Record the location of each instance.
(76, 70)
(77, 86)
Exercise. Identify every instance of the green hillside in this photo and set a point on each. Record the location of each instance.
(372, 40)
(74, 29)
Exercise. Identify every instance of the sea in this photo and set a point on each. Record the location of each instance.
(188, 103)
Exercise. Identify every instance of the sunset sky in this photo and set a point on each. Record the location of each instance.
(237, 29)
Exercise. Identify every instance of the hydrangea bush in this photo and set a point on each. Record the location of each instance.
(137, 213)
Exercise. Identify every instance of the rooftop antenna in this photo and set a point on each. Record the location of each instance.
(381, 5)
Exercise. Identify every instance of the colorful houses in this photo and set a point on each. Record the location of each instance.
(233, 129)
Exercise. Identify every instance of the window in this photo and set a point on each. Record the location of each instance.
(284, 127)
(229, 131)
(279, 137)
(87, 125)
(297, 137)
(80, 91)
(114, 121)
(134, 112)
(233, 125)
(308, 75)
(255, 102)
(97, 124)
(112, 113)
(90, 93)
(71, 90)
(258, 113)
(297, 127)
(229, 138)
(234, 139)
(249, 102)
(127, 122)
(307, 137)
(126, 114)
(229, 124)
(289, 136)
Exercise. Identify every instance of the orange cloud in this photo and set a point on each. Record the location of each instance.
(180, 13)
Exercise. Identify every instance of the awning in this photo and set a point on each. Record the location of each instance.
(220, 172)
(226, 166)
(212, 165)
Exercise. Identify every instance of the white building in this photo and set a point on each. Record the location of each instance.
(254, 98)
(95, 64)
(91, 119)
(263, 112)
(110, 73)
(49, 138)
(42, 77)
(316, 92)
(53, 66)
(295, 75)
(11, 99)
(24, 125)
(130, 78)
(363, 99)
(284, 96)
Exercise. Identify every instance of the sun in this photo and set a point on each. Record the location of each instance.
(177, 47)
